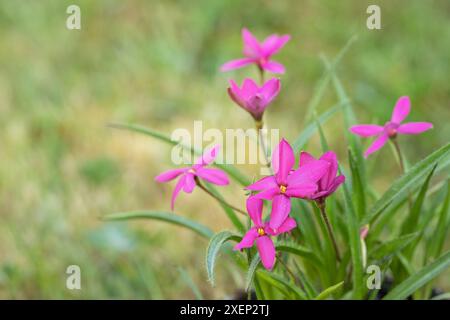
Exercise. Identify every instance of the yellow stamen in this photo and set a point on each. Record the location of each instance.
(283, 189)
(261, 231)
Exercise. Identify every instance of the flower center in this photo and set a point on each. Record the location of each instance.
(391, 129)
(191, 171)
(283, 189)
(261, 232)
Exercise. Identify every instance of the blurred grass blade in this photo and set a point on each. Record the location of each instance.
(439, 235)
(329, 291)
(412, 219)
(231, 170)
(355, 245)
(358, 187)
(392, 247)
(301, 252)
(163, 216)
(282, 284)
(215, 244)
(419, 279)
(410, 178)
(190, 283)
(251, 272)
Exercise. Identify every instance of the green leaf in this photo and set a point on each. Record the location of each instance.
(358, 187)
(251, 272)
(231, 170)
(215, 244)
(355, 245)
(301, 252)
(329, 291)
(412, 219)
(163, 216)
(441, 230)
(419, 279)
(190, 283)
(282, 284)
(409, 179)
(392, 247)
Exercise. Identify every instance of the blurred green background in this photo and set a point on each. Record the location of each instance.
(156, 63)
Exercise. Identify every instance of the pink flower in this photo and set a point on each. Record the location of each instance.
(392, 127)
(287, 183)
(261, 233)
(259, 53)
(253, 98)
(329, 182)
(198, 170)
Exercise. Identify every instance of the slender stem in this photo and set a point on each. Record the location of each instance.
(262, 143)
(321, 205)
(261, 75)
(402, 166)
(201, 186)
(296, 280)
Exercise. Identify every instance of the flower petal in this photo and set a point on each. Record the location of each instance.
(273, 43)
(328, 177)
(252, 48)
(254, 209)
(248, 240)
(215, 176)
(303, 190)
(377, 144)
(268, 194)
(273, 66)
(249, 88)
(281, 206)
(208, 156)
(236, 64)
(414, 127)
(266, 251)
(189, 183)
(309, 172)
(262, 184)
(169, 175)
(286, 159)
(287, 226)
(176, 191)
(305, 158)
(401, 109)
(366, 130)
(270, 89)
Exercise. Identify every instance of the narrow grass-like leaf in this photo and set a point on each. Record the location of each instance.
(215, 244)
(392, 247)
(190, 283)
(412, 219)
(251, 272)
(419, 279)
(163, 216)
(282, 284)
(231, 170)
(329, 291)
(410, 178)
(301, 252)
(442, 227)
(358, 187)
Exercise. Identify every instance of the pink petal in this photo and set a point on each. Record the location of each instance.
(249, 88)
(286, 160)
(414, 127)
(176, 191)
(281, 206)
(268, 194)
(254, 209)
(236, 64)
(189, 183)
(302, 190)
(270, 89)
(305, 158)
(264, 183)
(215, 176)
(287, 226)
(331, 189)
(273, 66)
(273, 43)
(401, 109)
(328, 177)
(248, 240)
(377, 144)
(252, 47)
(236, 98)
(208, 156)
(266, 251)
(169, 175)
(309, 172)
(366, 130)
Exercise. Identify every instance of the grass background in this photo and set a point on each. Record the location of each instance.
(156, 63)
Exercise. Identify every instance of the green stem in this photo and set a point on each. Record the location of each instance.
(201, 186)
(321, 205)
(296, 280)
(402, 165)
(262, 143)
